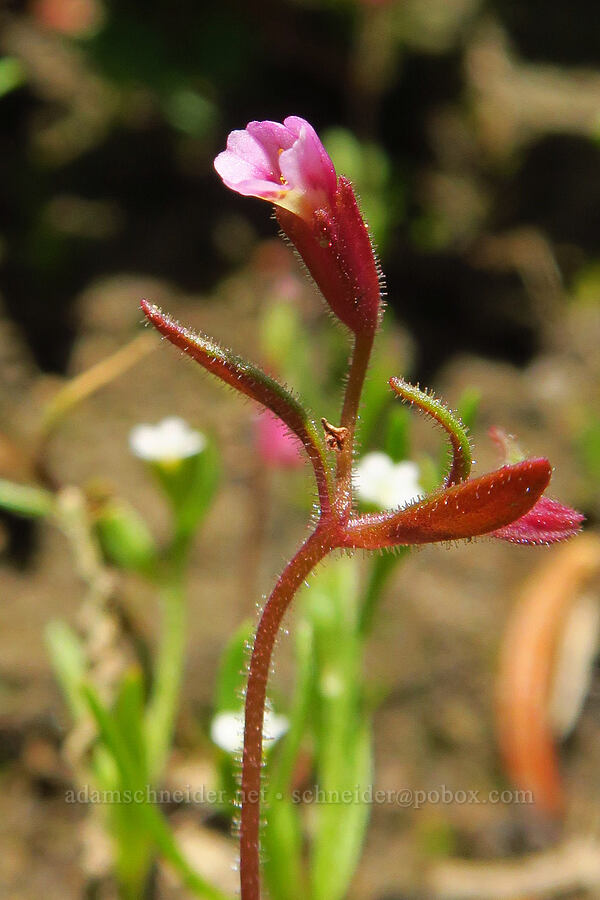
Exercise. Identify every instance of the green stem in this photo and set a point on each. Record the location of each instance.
(162, 707)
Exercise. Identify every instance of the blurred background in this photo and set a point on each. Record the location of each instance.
(471, 129)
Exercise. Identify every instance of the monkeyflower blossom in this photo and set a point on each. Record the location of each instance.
(284, 164)
(169, 441)
(287, 165)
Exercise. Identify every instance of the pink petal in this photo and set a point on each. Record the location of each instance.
(309, 164)
(250, 165)
(273, 138)
(284, 164)
(241, 177)
(241, 145)
(546, 523)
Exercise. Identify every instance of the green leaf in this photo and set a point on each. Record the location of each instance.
(163, 703)
(190, 112)
(12, 74)
(397, 438)
(282, 843)
(147, 815)
(129, 716)
(468, 406)
(279, 331)
(191, 485)
(69, 663)
(588, 444)
(125, 538)
(380, 570)
(136, 846)
(283, 838)
(343, 755)
(232, 669)
(231, 679)
(343, 818)
(25, 500)
(367, 166)
(387, 355)
(284, 342)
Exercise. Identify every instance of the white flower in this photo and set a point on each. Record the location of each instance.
(227, 729)
(169, 441)
(381, 481)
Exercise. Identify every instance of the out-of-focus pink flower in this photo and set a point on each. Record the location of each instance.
(285, 164)
(77, 18)
(276, 445)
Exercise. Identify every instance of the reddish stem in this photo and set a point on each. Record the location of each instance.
(330, 533)
(361, 354)
(317, 546)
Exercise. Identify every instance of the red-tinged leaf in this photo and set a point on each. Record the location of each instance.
(526, 673)
(547, 523)
(251, 381)
(478, 506)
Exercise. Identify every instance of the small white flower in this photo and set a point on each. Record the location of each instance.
(168, 441)
(227, 729)
(381, 481)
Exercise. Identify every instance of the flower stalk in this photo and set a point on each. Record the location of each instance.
(287, 165)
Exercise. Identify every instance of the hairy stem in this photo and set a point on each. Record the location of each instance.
(361, 355)
(312, 551)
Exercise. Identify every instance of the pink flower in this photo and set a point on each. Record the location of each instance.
(284, 164)
(288, 166)
(276, 445)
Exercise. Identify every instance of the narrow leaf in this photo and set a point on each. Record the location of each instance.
(25, 499)
(149, 817)
(459, 441)
(232, 670)
(69, 663)
(251, 381)
(128, 714)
